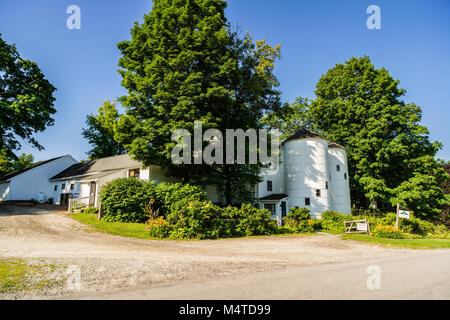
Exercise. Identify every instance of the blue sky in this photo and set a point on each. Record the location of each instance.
(413, 45)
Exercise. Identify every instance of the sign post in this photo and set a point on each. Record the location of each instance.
(396, 221)
(406, 214)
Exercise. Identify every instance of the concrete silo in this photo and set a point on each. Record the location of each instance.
(305, 157)
(339, 187)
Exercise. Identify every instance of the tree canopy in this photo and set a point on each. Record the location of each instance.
(184, 64)
(391, 159)
(9, 164)
(26, 100)
(100, 132)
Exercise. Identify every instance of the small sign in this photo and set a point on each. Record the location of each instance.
(404, 214)
(362, 227)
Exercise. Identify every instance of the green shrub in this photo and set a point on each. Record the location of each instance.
(229, 222)
(334, 221)
(254, 221)
(125, 200)
(299, 220)
(90, 210)
(159, 228)
(413, 225)
(389, 232)
(299, 214)
(197, 220)
(440, 232)
(50, 201)
(174, 196)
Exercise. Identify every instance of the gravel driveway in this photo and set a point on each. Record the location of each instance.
(111, 264)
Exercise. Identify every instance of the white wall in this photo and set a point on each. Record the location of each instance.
(339, 183)
(4, 191)
(278, 182)
(56, 195)
(29, 184)
(306, 171)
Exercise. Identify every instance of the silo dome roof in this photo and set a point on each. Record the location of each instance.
(303, 133)
(335, 145)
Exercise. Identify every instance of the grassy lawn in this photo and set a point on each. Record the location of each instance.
(131, 230)
(405, 243)
(17, 275)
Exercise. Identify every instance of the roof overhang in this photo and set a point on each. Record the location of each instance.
(273, 198)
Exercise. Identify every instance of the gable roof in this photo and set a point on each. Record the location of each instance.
(11, 175)
(108, 164)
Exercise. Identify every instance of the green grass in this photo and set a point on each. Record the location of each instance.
(130, 230)
(404, 243)
(17, 275)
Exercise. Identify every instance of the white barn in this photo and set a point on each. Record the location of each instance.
(33, 182)
(313, 173)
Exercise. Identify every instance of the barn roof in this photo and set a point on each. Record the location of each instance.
(108, 164)
(13, 174)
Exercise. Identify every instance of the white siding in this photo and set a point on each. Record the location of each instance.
(339, 184)
(29, 184)
(4, 191)
(278, 182)
(306, 171)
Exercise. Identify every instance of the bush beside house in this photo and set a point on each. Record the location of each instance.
(181, 211)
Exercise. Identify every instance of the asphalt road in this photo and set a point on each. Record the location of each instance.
(420, 276)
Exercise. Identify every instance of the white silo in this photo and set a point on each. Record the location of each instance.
(306, 171)
(338, 179)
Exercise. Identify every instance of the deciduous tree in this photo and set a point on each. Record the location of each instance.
(184, 64)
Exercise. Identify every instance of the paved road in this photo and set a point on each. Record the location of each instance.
(292, 267)
(421, 276)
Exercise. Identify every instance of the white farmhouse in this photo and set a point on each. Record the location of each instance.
(33, 182)
(85, 179)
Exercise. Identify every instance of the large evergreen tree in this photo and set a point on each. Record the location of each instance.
(390, 155)
(184, 64)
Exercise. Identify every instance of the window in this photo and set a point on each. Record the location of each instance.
(63, 186)
(269, 186)
(134, 173)
(326, 185)
(345, 176)
(56, 187)
(318, 193)
(307, 201)
(271, 207)
(72, 186)
(338, 168)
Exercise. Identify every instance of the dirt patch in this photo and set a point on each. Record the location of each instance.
(109, 263)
